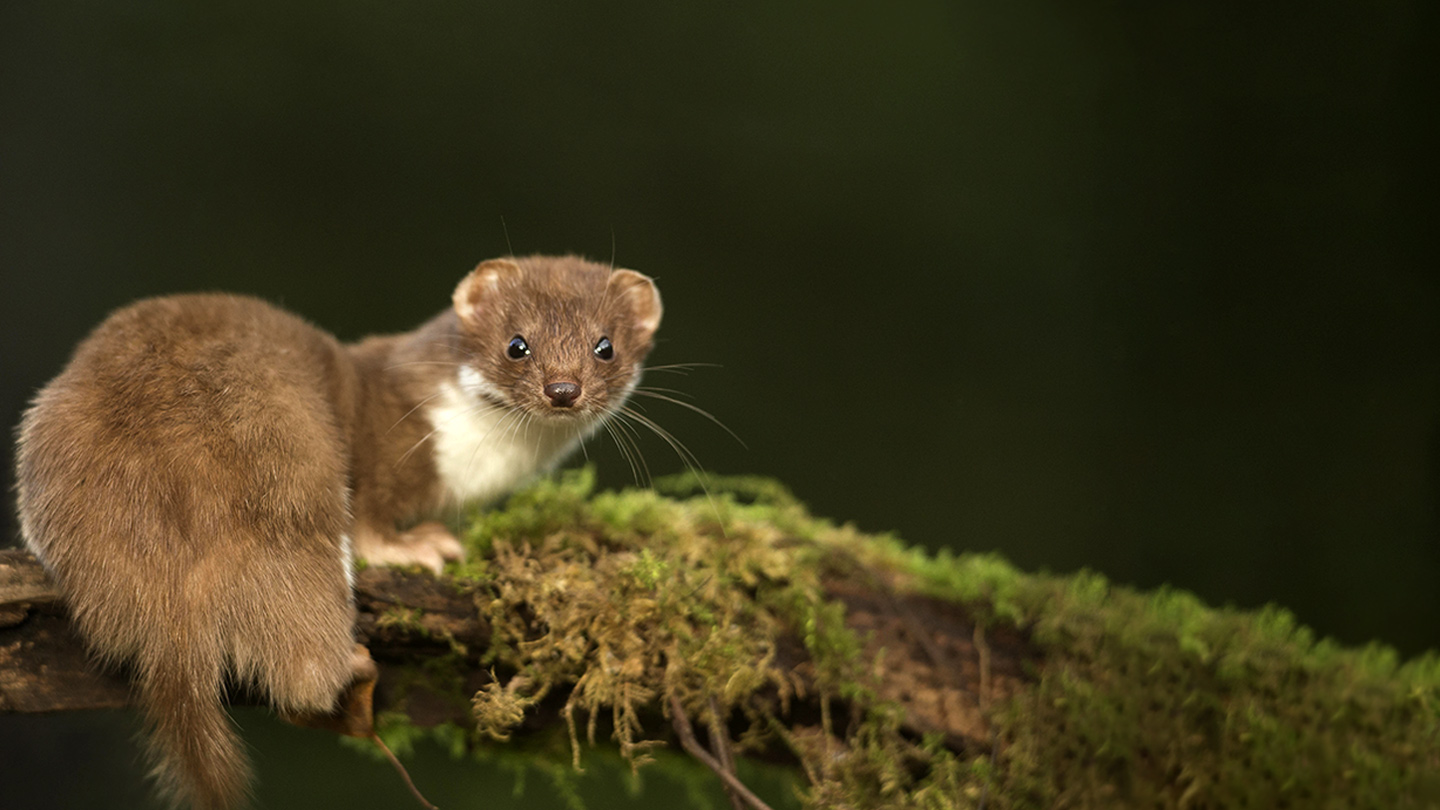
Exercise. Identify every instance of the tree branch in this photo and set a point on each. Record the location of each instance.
(892, 677)
(930, 667)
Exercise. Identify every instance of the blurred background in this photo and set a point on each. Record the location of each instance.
(1139, 288)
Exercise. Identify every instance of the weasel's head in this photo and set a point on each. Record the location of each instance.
(558, 337)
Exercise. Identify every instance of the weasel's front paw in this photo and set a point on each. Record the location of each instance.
(429, 544)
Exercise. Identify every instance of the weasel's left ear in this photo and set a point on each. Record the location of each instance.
(642, 296)
(478, 291)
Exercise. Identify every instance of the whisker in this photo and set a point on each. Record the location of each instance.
(604, 294)
(417, 407)
(514, 429)
(535, 457)
(697, 409)
(686, 457)
(678, 446)
(478, 407)
(686, 366)
(624, 451)
(580, 440)
(627, 432)
(634, 440)
(628, 452)
(675, 391)
(424, 363)
(480, 443)
(432, 432)
(454, 343)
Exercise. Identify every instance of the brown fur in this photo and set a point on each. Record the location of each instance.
(561, 314)
(187, 480)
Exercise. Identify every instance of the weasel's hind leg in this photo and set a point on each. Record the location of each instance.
(354, 712)
(294, 636)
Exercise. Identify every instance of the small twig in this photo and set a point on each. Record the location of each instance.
(720, 744)
(569, 713)
(404, 774)
(681, 721)
(788, 738)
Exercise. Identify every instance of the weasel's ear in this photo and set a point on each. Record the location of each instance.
(478, 290)
(641, 295)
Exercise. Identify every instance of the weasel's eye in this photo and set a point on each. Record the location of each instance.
(518, 348)
(604, 350)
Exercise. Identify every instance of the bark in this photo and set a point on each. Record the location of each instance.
(1106, 697)
(932, 666)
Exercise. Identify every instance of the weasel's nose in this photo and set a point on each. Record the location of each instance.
(562, 394)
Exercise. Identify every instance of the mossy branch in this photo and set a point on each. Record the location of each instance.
(888, 676)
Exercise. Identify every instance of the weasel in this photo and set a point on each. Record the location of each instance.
(200, 477)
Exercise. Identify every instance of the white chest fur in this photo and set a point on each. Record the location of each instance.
(483, 451)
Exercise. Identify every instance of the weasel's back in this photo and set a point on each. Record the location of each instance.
(187, 434)
(184, 414)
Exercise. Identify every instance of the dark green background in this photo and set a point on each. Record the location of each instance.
(1139, 287)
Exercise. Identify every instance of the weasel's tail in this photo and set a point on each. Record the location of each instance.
(198, 759)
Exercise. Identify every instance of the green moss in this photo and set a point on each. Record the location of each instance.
(1139, 700)
(1157, 700)
(401, 618)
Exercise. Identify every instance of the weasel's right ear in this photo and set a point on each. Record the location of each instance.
(638, 291)
(477, 291)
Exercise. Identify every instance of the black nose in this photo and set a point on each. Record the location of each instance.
(562, 394)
